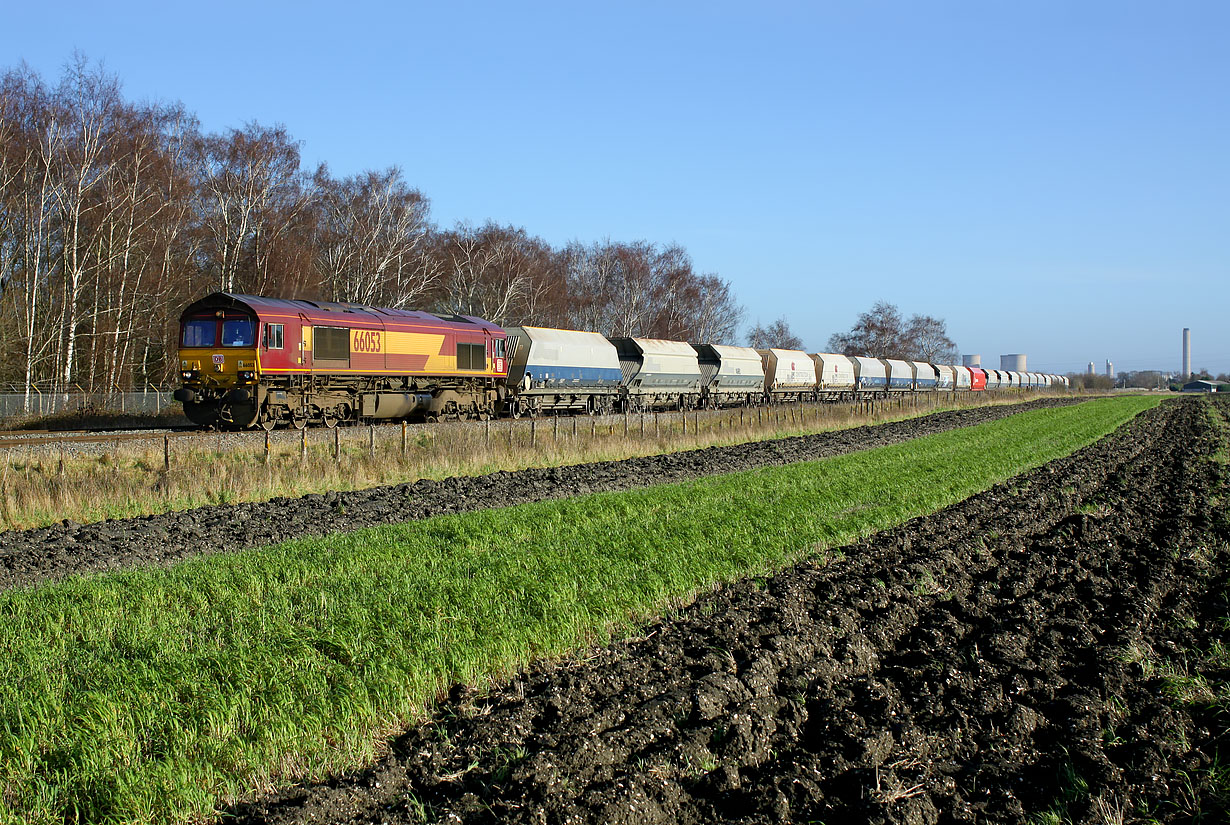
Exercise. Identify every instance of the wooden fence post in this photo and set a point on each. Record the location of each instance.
(337, 445)
(166, 453)
(404, 444)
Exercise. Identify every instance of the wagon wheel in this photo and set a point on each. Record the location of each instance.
(330, 419)
(298, 420)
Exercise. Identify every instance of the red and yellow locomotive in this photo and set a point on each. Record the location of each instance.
(253, 361)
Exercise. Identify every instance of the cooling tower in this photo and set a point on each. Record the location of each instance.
(1013, 363)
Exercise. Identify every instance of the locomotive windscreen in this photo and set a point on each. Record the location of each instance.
(200, 332)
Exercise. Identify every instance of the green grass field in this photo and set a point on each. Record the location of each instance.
(156, 695)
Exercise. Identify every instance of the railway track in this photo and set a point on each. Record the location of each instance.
(44, 438)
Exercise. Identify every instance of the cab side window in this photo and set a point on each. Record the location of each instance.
(273, 336)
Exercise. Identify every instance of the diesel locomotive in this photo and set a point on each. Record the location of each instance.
(250, 361)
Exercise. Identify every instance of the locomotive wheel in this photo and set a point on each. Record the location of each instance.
(330, 420)
(268, 423)
(298, 420)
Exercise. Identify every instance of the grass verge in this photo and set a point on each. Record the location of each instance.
(154, 695)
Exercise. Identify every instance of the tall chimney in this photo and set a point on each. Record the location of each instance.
(1110, 369)
(1092, 369)
(1187, 353)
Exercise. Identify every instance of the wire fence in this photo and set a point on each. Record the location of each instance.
(20, 401)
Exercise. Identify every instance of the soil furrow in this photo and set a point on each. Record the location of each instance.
(32, 556)
(1013, 655)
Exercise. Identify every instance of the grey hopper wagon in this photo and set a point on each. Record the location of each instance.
(658, 374)
(729, 376)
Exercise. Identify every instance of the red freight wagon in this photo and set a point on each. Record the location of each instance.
(977, 378)
(248, 360)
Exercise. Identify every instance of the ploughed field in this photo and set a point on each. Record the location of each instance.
(1050, 650)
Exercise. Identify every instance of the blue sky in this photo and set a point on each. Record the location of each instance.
(1049, 177)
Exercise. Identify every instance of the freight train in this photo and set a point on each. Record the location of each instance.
(250, 361)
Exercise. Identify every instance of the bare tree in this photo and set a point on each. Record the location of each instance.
(250, 194)
(883, 333)
(370, 239)
(879, 333)
(775, 335)
(491, 272)
(928, 340)
(716, 314)
(84, 108)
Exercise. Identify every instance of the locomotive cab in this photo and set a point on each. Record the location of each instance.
(219, 366)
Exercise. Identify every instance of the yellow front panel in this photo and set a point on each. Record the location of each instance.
(218, 367)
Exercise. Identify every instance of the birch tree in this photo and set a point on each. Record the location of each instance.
(370, 241)
(249, 193)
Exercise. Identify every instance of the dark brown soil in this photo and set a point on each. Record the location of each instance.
(32, 556)
(1003, 658)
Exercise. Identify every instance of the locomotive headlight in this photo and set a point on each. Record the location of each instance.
(190, 374)
(245, 375)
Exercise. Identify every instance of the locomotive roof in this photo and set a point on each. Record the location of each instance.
(325, 310)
